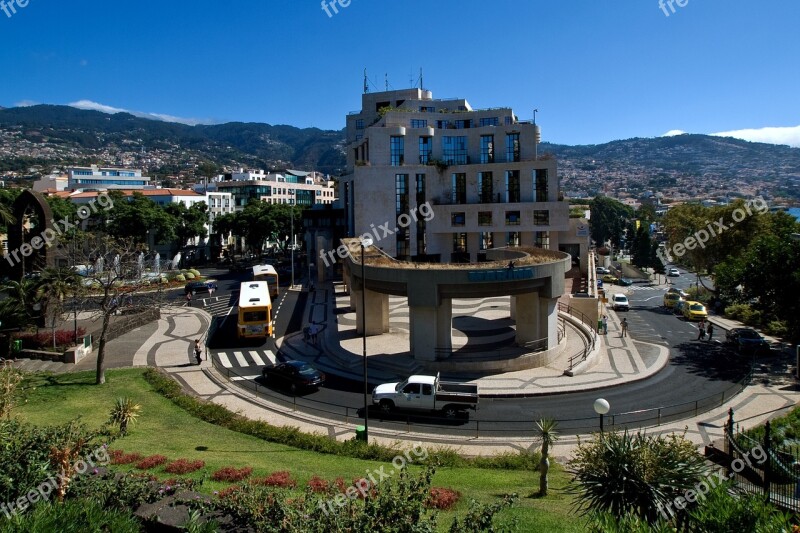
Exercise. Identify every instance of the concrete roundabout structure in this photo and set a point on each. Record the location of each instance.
(532, 277)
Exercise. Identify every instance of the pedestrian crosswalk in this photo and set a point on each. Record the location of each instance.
(647, 288)
(246, 358)
(217, 306)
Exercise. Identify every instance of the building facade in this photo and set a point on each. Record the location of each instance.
(438, 180)
(292, 187)
(95, 177)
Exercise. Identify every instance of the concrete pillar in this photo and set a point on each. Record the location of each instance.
(377, 305)
(473, 245)
(323, 246)
(422, 341)
(528, 321)
(444, 326)
(513, 313)
(548, 320)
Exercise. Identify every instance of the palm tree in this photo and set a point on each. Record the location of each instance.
(546, 432)
(54, 287)
(6, 217)
(124, 412)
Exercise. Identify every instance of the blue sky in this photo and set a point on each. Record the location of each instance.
(596, 70)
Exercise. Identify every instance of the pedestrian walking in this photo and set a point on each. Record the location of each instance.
(605, 324)
(189, 299)
(313, 331)
(624, 325)
(710, 331)
(702, 333)
(197, 351)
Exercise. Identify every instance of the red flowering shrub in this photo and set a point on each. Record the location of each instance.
(441, 498)
(151, 462)
(279, 479)
(340, 484)
(44, 339)
(317, 484)
(119, 457)
(184, 466)
(232, 474)
(227, 492)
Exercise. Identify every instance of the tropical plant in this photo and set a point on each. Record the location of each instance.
(55, 285)
(726, 509)
(10, 379)
(124, 412)
(545, 432)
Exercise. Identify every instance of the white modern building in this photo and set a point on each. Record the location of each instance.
(477, 169)
(292, 187)
(95, 177)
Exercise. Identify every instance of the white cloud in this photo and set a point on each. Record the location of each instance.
(773, 135)
(26, 103)
(672, 133)
(94, 106)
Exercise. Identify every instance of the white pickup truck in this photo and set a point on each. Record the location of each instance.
(426, 392)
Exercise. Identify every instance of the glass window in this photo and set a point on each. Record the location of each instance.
(419, 123)
(401, 193)
(487, 149)
(360, 124)
(426, 109)
(512, 218)
(512, 147)
(484, 218)
(442, 124)
(463, 124)
(486, 240)
(424, 150)
(489, 121)
(542, 239)
(458, 219)
(397, 148)
(541, 217)
(459, 242)
(512, 186)
(509, 120)
(421, 223)
(454, 150)
(512, 238)
(485, 187)
(540, 185)
(459, 188)
(411, 388)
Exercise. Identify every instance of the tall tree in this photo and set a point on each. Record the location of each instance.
(54, 287)
(608, 220)
(136, 217)
(191, 221)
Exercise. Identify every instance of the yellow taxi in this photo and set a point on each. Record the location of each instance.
(610, 278)
(671, 299)
(694, 311)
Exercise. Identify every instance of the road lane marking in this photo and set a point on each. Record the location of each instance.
(240, 359)
(244, 378)
(224, 360)
(256, 358)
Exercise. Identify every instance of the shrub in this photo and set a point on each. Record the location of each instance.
(184, 466)
(44, 339)
(119, 457)
(723, 510)
(281, 479)
(195, 272)
(232, 474)
(442, 498)
(74, 515)
(151, 461)
(180, 277)
(189, 275)
(318, 485)
(777, 328)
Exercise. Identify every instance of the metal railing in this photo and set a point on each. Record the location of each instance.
(589, 343)
(473, 425)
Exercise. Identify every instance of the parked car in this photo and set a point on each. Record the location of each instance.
(294, 375)
(625, 282)
(747, 340)
(196, 287)
(620, 302)
(610, 278)
(426, 393)
(694, 311)
(673, 272)
(671, 299)
(683, 294)
(602, 271)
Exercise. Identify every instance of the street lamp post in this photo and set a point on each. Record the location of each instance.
(291, 242)
(601, 407)
(365, 242)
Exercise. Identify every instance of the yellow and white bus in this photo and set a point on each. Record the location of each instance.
(267, 273)
(255, 310)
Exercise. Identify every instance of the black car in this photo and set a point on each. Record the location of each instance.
(294, 375)
(747, 341)
(195, 287)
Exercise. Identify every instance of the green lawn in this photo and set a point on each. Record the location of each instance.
(163, 428)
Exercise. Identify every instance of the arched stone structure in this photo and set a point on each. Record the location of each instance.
(30, 234)
(535, 283)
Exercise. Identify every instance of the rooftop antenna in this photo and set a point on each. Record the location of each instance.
(366, 83)
(421, 84)
(386, 78)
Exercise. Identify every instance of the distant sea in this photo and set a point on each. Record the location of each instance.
(795, 212)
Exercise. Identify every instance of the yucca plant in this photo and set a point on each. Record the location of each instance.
(124, 412)
(545, 432)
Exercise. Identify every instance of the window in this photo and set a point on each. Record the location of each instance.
(359, 136)
(485, 187)
(442, 124)
(360, 124)
(512, 218)
(509, 120)
(454, 150)
(512, 147)
(463, 124)
(459, 242)
(458, 219)
(512, 238)
(484, 218)
(512, 186)
(459, 188)
(401, 193)
(540, 185)
(424, 150)
(419, 123)
(397, 148)
(426, 109)
(542, 239)
(541, 217)
(486, 240)
(489, 121)
(411, 388)
(421, 241)
(427, 389)
(487, 149)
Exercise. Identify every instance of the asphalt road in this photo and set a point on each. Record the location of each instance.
(696, 371)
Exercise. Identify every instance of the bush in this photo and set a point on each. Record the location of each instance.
(184, 466)
(735, 311)
(232, 474)
(442, 498)
(777, 328)
(180, 277)
(281, 479)
(151, 461)
(725, 510)
(73, 516)
(189, 275)
(119, 457)
(44, 339)
(318, 485)
(195, 272)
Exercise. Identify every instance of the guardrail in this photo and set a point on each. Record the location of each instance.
(473, 426)
(588, 344)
